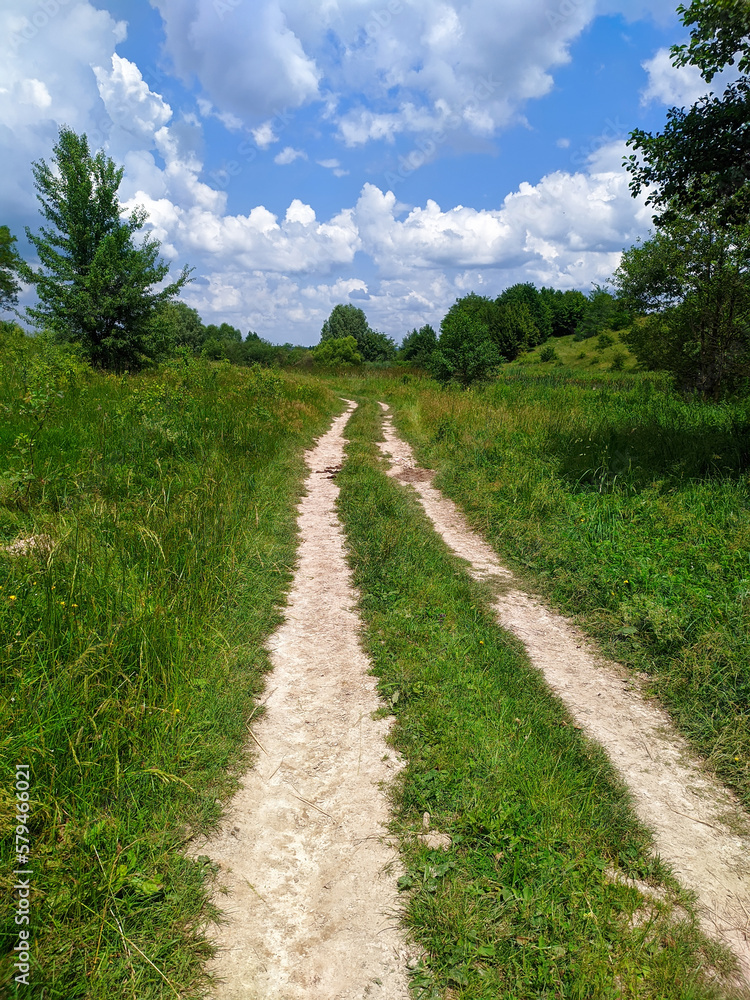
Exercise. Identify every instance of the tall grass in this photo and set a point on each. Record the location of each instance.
(629, 507)
(131, 654)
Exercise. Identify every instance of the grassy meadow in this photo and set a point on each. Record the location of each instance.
(162, 507)
(131, 654)
(626, 506)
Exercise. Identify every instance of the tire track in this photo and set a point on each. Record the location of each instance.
(312, 910)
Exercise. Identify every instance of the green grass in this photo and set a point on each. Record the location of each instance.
(627, 507)
(589, 355)
(524, 903)
(131, 660)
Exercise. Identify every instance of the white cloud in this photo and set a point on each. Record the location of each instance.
(288, 155)
(46, 81)
(681, 86)
(334, 166)
(419, 61)
(264, 135)
(247, 58)
(128, 100)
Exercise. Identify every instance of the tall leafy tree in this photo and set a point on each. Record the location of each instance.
(526, 294)
(9, 264)
(702, 157)
(350, 321)
(566, 308)
(418, 346)
(345, 321)
(465, 352)
(691, 285)
(97, 285)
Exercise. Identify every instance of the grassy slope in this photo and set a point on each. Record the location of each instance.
(129, 665)
(579, 355)
(628, 508)
(521, 906)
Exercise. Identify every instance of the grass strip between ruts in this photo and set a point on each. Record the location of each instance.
(525, 902)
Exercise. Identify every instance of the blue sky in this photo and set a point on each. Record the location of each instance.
(396, 154)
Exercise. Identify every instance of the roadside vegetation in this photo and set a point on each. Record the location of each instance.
(532, 897)
(148, 536)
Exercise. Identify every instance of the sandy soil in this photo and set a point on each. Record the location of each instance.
(699, 827)
(312, 910)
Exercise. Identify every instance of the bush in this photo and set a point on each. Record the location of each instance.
(338, 351)
(548, 353)
(603, 341)
(618, 361)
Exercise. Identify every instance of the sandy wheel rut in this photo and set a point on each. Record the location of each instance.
(700, 829)
(312, 910)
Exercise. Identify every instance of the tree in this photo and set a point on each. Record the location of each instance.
(566, 309)
(506, 327)
(512, 327)
(337, 351)
(691, 284)
(418, 346)
(9, 263)
(377, 347)
(345, 321)
(702, 158)
(603, 312)
(181, 325)
(96, 285)
(349, 321)
(538, 308)
(465, 352)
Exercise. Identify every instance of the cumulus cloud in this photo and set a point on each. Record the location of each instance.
(46, 80)
(127, 99)
(420, 62)
(681, 86)
(247, 58)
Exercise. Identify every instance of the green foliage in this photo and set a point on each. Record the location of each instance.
(566, 309)
(338, 351)
(225, 333)
(538, 325)
(131, 654)
(96, 285)
(619, 357)
(548, 353)
(603, 312)
(700, 160)
(508, 325)
(349, 321)
(180, 325)
(418, 346)
(377, 348)
(513, 328)
(603, 341)
(465, 353)
(692, 282)
(345, 321)
(9, 262)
